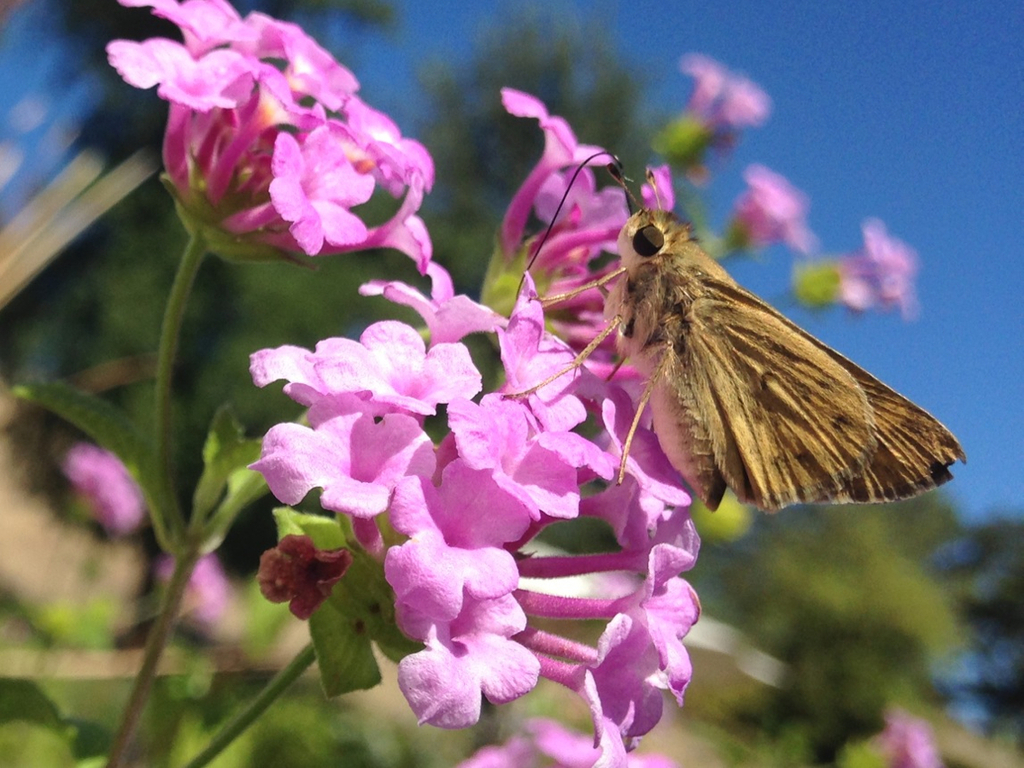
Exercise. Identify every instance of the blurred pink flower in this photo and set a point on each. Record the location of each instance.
(208, 591)
(771, 210)
(721, 106)
(908, 742)
(722, 100)
(881, 273)
(102, 479)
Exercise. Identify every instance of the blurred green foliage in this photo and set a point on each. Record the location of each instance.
(985, 568)
(846, 598)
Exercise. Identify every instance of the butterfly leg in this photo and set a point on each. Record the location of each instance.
(645, 397)
(576, 363)
(599, 283)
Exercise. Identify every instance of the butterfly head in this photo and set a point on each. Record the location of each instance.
(650, 234)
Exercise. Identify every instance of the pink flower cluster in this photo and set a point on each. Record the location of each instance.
(543, 741)
(881, 273)
(101, 478)
(268, 148)
(471, 505)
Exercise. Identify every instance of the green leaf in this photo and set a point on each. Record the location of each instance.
(226, 454)
(107, 425)
(90, 740)
(501, 283)
(344, 654)
(360, 610)
(860, 754)
(370, 601)
(28, 745)
(683, 142)
(78, 623)
(325, 532)
(23, 700)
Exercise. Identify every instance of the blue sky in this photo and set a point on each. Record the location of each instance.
(911, 112)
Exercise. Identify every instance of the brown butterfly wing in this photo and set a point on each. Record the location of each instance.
(784, 420)
(792, 420)
(914, 450)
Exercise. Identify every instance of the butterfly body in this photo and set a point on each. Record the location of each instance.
(745, 399)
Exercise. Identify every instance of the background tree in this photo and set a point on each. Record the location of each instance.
(847, 599)
(986, 566)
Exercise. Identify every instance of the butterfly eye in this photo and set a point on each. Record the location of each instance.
(648, 241)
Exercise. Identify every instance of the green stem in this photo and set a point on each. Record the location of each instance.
(168, 523)
(165, 513)
(213, 530)
(237, 725)
(155, 644)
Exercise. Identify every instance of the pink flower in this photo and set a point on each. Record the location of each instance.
(208, 592)
(458, 531)
(908, 742)
(448, 316)
(561, 150)
(586, 226)
(582, 224)
(388, 367)
(530, 355)
(538, 468)
(102, 479)
(356, 459)
(268, 149)
(882, 273)
(314, 186)
(771, 211)
(472, 656)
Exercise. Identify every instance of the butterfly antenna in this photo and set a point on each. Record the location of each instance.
(616, 174)
(615, 170)
(654, 186)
